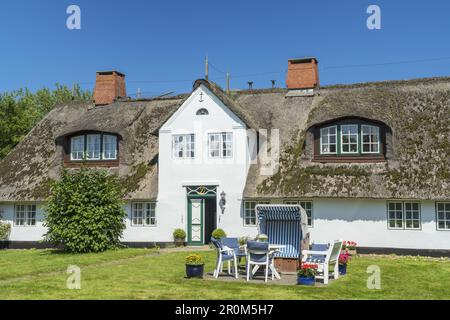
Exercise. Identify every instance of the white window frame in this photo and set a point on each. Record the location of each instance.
(403, 217)
(147, 211)
(370, 143)
(412, 211)
(28, 214)
(94, 136)
(72, 142)
(349, 135)
(395, 215)
(104, 139)
(302, 204)
(444, 212)
(222, 143)
(249, 208)
(187, 146)
(329, 135)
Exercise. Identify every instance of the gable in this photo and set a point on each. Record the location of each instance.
(203, 108)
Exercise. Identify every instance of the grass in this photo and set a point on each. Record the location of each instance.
(147, 274)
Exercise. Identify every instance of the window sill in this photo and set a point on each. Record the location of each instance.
(349, 159)
(92, 164)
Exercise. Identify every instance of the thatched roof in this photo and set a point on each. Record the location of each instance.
(26, 173)
(418, 165)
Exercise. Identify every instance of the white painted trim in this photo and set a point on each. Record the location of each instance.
(357, 138)
(362, 140)
(328, 135)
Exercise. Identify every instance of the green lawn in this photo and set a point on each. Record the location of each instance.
(146, 274)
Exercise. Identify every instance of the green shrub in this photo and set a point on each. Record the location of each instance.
(194, 260)
(179, 234)
(85, 211)
(5, 229)
(218, 234)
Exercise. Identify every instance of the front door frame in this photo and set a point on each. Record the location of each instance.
(201, 196)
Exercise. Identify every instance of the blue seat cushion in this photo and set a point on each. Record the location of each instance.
(258, 257)
(226, 257)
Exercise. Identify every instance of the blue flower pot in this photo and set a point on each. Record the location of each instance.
(306, 281)
(342, 269)
(194, 271)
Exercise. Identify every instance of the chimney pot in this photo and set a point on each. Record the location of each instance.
(303, 73)
(109, 86)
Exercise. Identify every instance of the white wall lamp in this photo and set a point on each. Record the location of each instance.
(223, 202)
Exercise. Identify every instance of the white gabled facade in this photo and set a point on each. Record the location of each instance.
(221, 174)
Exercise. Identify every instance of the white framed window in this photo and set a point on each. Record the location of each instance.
(349, 139)
(93, 146)
(395, 215)
(443, 216)
(220, 145)
(143, 214)
(184, 146)
(370, 137)
(250, 217)
(25, 215)
(404, 215)
(412, 215)
(77, 148)
(328, 140)
(307, 205)
(109, 147)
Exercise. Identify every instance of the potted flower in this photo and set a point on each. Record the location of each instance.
(344, 258)
(179, 236)
(307, 274)
(194, 266)
(262, 238)
(218, 234)
(350, 247)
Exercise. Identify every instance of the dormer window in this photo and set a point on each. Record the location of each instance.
(93, 147)
(350, 140)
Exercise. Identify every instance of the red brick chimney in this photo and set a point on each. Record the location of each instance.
(302, 73)
(109, 86)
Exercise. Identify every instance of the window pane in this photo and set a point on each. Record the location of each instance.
(349, 138)
(370, 139)
(184, 146)
(93, 146)
(328, 140)
(249, 213)
(395, 214)
(109, 147)
(77, 148)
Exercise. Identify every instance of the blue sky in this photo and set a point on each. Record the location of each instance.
(161, 45)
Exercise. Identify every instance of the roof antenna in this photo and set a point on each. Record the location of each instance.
(273, 83)
(206, 68)
(228, 83)
(250, 85)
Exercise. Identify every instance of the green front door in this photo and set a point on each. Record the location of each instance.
(196, 209)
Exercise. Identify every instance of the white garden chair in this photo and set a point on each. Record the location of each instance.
(224, 254)
(325, 260)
